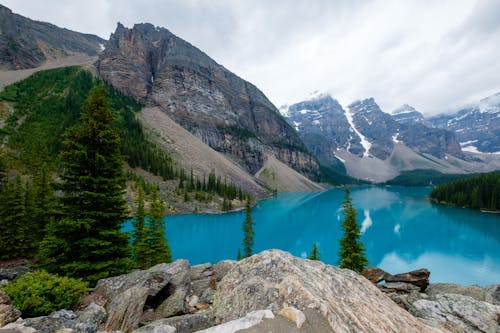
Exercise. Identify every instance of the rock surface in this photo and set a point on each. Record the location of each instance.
(251, 319)
(275, 279)
(8, 313)
(125, 297)
(85, 321)
(419, 278)
(181, 324)
(459, 313)
(489, 294)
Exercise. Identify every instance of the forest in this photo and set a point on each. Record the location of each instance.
(478, 192)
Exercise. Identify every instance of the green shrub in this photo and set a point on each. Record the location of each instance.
(41, 293)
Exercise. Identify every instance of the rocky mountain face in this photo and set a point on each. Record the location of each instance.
(363, 132)
(227, 113)
(408, 115)
(25, 43)
(477, 127)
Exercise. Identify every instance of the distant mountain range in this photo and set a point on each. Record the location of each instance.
(377, 146)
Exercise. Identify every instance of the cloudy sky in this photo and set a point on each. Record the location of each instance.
(435, 55)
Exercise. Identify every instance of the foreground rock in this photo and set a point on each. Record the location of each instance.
(86, 321)
(419, 277)
(8, 313)
(275, 279)
(161, 288)
(459, 313)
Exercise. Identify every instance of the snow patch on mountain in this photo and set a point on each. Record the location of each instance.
(490, 104)
(285, 110)
(364, 142)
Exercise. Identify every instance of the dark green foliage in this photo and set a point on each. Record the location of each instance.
(49, 102)
(248, 233)
(424, 178)
(14, 228)
(238, 256)
(352, 251)
(87, 242)
(40, 293)
(158, 250)
(139, 243)
(314, 254)
(478, 192)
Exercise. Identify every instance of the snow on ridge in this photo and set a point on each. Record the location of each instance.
(405, 108)
(364, 142)
(102, 47)
(296, 125)
(473, 149)
(395, 138)
(285, 110)
(466, 143)
(490, 104)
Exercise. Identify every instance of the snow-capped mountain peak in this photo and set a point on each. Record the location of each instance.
(490, 104)
(405, 108)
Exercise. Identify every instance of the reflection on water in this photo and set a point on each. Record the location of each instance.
(402, 231)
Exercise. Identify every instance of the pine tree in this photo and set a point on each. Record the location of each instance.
(13, 218)
(352, 251)
(248, 233)
(159, 250)
(239, 257)
(87, 242)
(44, 204)
(314, 255)
(4, 205)
(139, 241)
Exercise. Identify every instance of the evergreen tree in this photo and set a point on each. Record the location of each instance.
(314, 255)
(248, 233)
(4, 205)
(44, 204)
(239, 257)
(352, 251)
(87, 242)
(159, 250)
(139, 241)
(13, 219)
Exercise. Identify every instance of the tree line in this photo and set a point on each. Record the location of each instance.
(479, 192)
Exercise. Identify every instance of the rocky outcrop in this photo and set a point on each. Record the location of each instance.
(85, 321)
(458, 313)
(161, 289)
(275, 279)
(418, 278)
(227, 113)
(8, 313)
(25, 43)
(11, 274)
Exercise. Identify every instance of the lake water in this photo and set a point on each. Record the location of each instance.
(402, 231)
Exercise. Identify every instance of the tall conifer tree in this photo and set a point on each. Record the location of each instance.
(87, 242)
(159, 250)
(248, 232)
(352, 251)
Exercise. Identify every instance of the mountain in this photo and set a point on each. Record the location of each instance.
(25, 43)
(375, 145)
(477, 126)
(224, 111)
(406, 114)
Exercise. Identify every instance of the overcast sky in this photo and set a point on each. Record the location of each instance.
(434, 55)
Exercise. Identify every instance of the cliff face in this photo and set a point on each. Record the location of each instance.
(25, 43)
(226, 112)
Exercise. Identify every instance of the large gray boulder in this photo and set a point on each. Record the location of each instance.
(275, 279)
(458, 313)
(161, 289)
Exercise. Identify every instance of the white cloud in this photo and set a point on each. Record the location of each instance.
(434, 55)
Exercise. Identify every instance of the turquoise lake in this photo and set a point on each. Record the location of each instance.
(402, 231)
